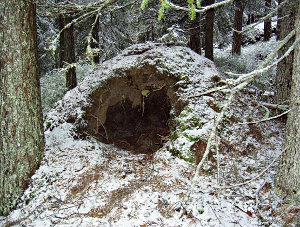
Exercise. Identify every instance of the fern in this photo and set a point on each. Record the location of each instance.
(192, 12)
(161, 10)
(192, 9)
(144, 4)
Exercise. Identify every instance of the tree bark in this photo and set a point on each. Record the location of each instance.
(237, 26)
(95, 41)
(267, 23)
(61, 25)
(67, 50)
(285, 24)
(195, 42)
(288, 177)
(209, 31)
(21, 130)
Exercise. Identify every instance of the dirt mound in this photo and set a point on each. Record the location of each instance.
(134, 100)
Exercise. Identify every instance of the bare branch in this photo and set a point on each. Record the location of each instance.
(266, 119)
(202, 9)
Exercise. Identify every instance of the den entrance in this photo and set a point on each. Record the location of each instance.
(134, 112)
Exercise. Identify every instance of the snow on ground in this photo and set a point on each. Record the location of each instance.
(88, 183)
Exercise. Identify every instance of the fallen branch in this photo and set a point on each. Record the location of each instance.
(265, 66)
(275, 106)
(266, 119)
(238, 85)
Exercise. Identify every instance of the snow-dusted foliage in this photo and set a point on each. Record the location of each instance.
(53, 85)
(174, 37)
(252, 56)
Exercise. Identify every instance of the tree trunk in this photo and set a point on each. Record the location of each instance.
(267, 23)
(195, 42)
(209, 31)
(237, 26)
(67, 50)
(21, 130)
(95, 41)
(285, 25)
(61, 25)
(288, 178)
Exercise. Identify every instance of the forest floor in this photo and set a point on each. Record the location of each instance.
(89, 183)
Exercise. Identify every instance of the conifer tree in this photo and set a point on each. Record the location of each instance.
(21, 130)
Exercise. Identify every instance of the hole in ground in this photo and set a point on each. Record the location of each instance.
(133, 112)
(141, 128)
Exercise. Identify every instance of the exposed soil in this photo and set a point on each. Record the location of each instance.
(133, 112)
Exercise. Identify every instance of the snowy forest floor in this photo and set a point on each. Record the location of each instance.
(88, 183)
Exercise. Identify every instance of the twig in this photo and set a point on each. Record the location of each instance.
(266, 119)
(216, 215)
(208, 91)
(241, 210)
(97, 119)
(218, 161)
(275, 106)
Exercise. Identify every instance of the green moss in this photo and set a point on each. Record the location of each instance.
(183, 114)
(48, 124)
(191, 138)
(174, 135)
(182, 126)
(188, 158)
(200, 211)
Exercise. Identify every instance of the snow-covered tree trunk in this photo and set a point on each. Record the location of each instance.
(21, 130)
(285, 24)
(288, 177)
(209, 31)
(267, 22)
(237, 26)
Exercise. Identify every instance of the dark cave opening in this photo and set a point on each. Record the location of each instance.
(141, 128)
(134, 111)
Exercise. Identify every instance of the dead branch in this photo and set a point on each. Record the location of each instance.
(242, 81)
(273, 106)
(266, 119)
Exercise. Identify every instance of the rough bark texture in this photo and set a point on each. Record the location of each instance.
(267, 23)
(195, 42)
(21, 131)
(95, 41)
(67, 50)
(288, 177)
(61, 25)
(209, 31)
(238, 25)
(285, 25)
